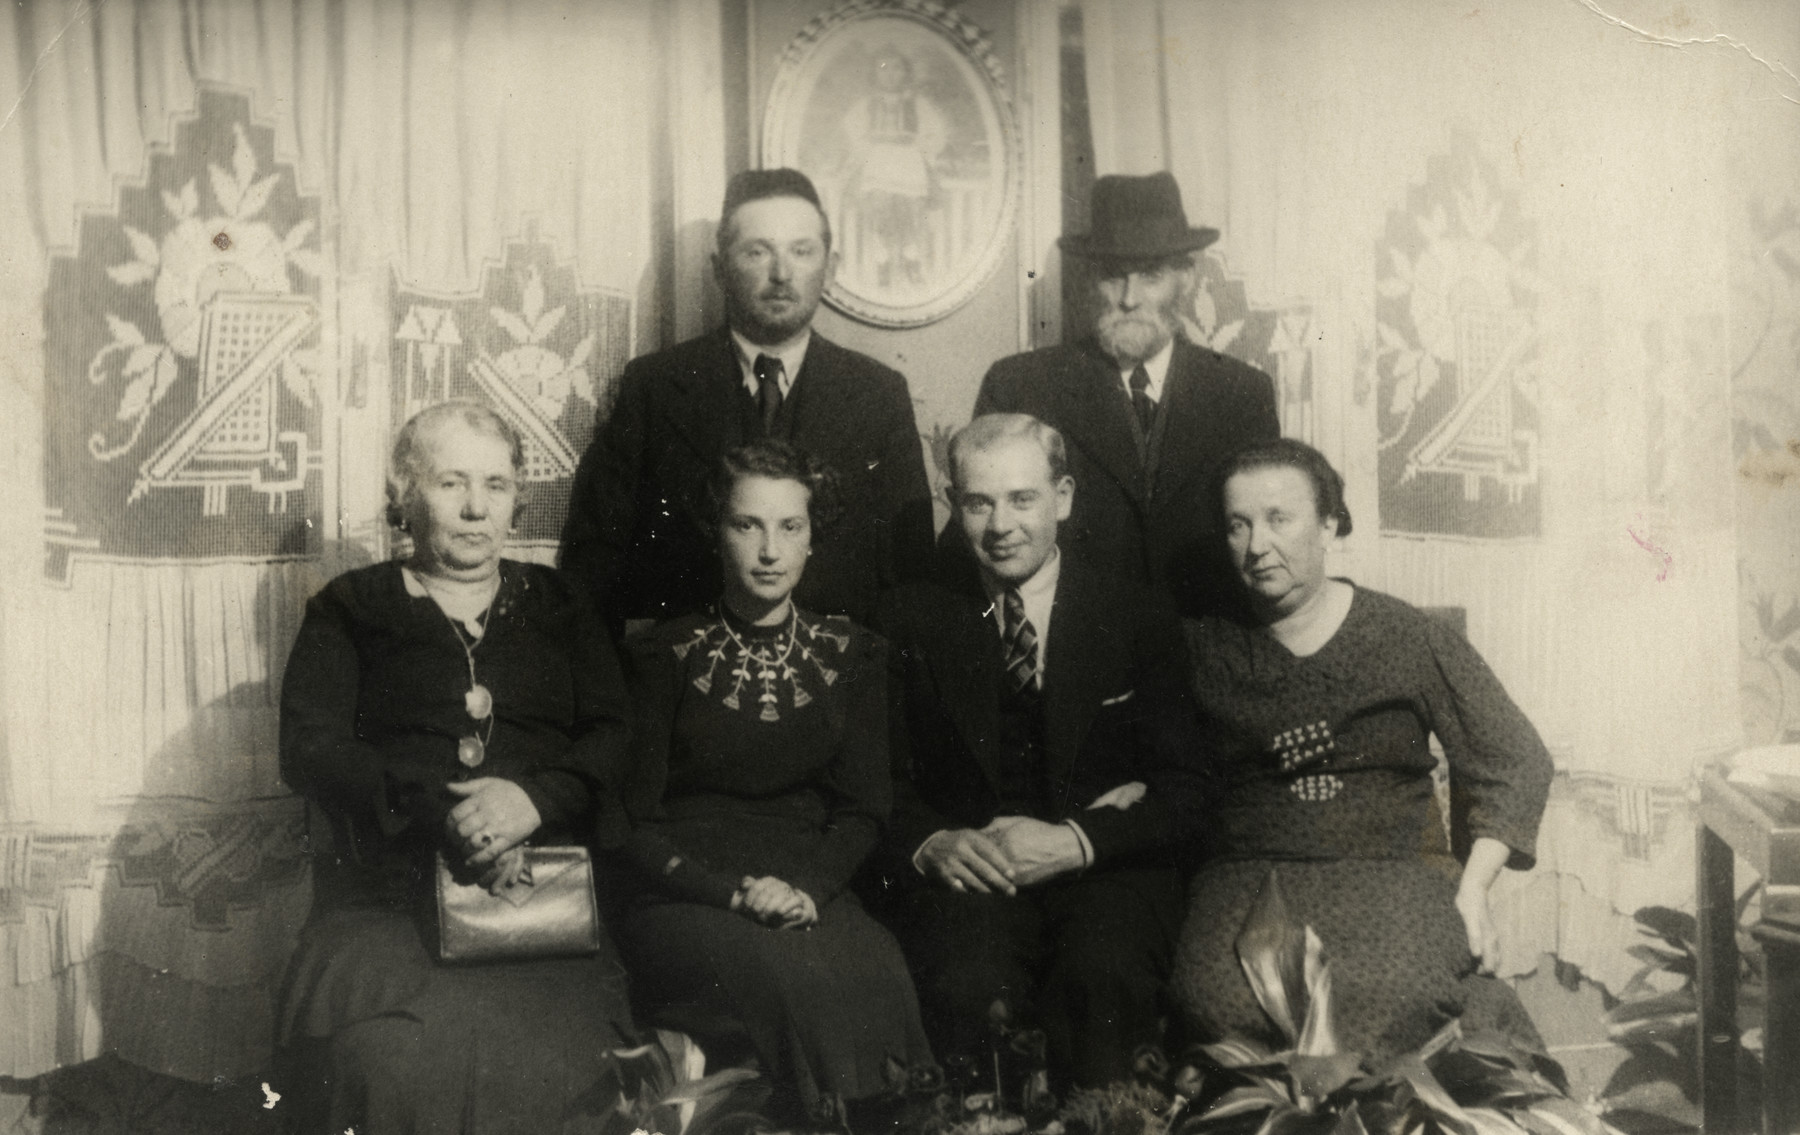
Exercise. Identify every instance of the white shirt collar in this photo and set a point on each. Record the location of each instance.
(1039, 595)
(791, 357)
(1156, 366)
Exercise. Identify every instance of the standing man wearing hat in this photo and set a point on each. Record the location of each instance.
(1147, 414)
(635, 532)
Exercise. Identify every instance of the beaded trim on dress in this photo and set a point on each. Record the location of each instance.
(767, 664)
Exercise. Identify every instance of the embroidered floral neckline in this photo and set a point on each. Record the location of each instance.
(759, 661)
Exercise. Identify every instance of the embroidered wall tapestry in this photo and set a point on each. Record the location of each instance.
(543, 352)
(181, 351)
(1456, 397)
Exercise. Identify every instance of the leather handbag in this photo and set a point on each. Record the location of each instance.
(549, 912)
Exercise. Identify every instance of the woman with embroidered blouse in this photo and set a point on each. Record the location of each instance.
(453, 704)
(762, 783)
(1318, 705)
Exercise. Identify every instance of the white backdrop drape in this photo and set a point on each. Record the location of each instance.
(1303, 130)
(150, 864)
(148, 880)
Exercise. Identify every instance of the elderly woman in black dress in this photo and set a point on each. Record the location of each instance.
(453, 704)
(1319, 705)
(762, 756)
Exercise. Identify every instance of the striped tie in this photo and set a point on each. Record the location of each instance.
(1021, 644)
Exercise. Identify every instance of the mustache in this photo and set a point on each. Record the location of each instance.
(1116, 320)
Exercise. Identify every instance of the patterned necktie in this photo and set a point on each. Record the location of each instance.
(1021, 644)
(768, 370)
(1140, 398)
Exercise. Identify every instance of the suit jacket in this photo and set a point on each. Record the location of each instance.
(635, 534)
(1115, 702)
(1165, 536)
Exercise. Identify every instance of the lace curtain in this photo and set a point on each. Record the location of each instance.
(1513, 234)
(241, 239)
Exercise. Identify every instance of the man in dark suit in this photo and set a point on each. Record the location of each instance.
(1148, 415)
(634, 532)
(1043, 742)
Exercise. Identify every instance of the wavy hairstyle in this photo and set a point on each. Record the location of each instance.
(778, 461)
(407, 463)
(1286, 453)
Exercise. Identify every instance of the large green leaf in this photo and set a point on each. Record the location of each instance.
(1272, 950)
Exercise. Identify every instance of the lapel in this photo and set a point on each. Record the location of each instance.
(1188, 424)
(1095, 416)
(966, 668)
(821, 395)
(1074, 665)
(703, 406)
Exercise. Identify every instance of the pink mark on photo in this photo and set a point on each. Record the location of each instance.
(1662, 573)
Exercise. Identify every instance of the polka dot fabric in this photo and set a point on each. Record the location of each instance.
(1328, 769)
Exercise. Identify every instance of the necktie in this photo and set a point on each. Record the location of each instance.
(768, 370)
(1021, 644)
(1140, 398)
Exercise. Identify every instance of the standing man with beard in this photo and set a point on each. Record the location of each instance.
(1148, 416)
(635, 533)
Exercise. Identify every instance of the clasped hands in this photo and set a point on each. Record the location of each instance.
(774, 903)
(488, 826)
(1013, 851)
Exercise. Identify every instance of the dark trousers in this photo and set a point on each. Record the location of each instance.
(1085, 958)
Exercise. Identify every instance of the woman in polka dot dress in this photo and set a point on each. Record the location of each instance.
(1318, 705)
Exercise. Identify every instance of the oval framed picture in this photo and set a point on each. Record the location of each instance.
(898, 112)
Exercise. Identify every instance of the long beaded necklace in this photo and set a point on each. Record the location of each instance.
(471, 750)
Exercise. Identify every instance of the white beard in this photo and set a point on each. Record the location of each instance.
(1135, 336)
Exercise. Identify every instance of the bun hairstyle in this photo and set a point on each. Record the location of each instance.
(1286, 453)
(778, 461)
(406, 465)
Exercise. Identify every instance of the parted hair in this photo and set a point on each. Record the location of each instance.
(776, 460)
(1286, 453)
(990, 430)
(406, 465)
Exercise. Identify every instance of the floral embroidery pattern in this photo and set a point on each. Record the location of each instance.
(766, 666)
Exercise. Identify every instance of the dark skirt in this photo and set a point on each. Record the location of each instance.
(376, 1035)
(827, 1011)
(1398, 951)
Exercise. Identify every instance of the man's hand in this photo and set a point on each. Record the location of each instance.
(1122, 797)
(967, 860)
(1038, 851)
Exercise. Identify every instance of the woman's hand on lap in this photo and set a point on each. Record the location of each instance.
(507, 871)
(494, 816)
(774, 903)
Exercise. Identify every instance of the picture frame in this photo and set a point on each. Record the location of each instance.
(899, 112)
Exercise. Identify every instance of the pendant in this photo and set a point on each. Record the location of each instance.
(471, 752)
(478, 702)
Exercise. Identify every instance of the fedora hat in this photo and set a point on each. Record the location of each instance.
(1137, 218)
